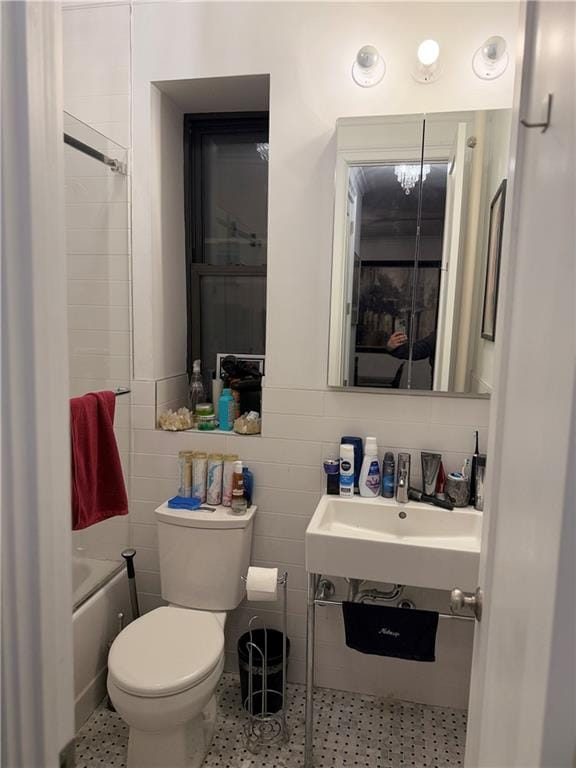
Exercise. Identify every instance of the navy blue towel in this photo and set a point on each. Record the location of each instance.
(402, 633)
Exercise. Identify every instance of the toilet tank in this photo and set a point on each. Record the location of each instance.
(203, 556)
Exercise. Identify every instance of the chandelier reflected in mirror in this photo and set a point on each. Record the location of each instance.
(409, 175)
(263, 150)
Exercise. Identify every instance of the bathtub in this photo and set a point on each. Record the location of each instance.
(100, 594)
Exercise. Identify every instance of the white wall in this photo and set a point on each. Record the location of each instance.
(166, 166)
(307, 49)
(96, 53)
(495, 170)
(97, 67)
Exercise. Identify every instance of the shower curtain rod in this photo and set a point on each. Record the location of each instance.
(114, 165)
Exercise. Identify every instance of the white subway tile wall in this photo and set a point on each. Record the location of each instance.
(96, 44)
(300, 428)
(171, 394)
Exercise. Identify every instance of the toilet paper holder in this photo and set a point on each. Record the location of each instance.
(266, 727)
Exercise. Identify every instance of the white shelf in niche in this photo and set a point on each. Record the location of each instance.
(195, 431)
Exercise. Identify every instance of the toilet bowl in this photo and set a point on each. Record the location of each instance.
(164, 667)
(163, 670)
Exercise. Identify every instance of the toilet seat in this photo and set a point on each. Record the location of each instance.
(166, 651)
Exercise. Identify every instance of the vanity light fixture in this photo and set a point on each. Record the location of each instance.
(491, 59)
(369, 67)
(427, 68)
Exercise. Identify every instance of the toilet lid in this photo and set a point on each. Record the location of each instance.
(166, 651)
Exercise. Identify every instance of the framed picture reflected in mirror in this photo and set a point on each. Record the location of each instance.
(495, 231)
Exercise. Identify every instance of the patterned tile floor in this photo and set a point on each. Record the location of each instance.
(351, 730)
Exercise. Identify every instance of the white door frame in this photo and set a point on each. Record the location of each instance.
(450, 273)
(37, 656)
(348, 353)
(341, 270)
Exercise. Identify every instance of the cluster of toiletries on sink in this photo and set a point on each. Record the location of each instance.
(212, 479)
(358, 471)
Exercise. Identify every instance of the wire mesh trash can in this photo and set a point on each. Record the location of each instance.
(269, 645)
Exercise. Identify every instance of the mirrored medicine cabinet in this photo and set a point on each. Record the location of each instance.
(419, 209)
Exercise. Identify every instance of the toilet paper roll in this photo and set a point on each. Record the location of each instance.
(262, 584)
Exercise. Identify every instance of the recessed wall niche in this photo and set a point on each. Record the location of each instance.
(170, 332)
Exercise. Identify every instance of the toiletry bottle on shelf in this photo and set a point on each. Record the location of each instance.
(332, 470)
(388, 475)
(370, 477)
(239, 504)
(228, 478)
(214, 479)
(356, 442)
(185, 467)
(226, 410)
(441, 481)
(248, 485)
(196, 393)
(216, 392)
(430, 468)
(346, 470)
(199, 475)
(479, 482)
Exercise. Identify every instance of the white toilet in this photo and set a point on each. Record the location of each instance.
(164, 667)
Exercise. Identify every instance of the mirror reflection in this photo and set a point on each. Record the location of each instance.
(415, 235)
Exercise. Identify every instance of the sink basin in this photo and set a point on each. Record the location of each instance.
(368, 539)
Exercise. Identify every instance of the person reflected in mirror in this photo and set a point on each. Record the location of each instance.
(398, 346)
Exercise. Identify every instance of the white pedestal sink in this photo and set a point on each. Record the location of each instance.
(381, 540)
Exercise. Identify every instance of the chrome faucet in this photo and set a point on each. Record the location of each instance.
(403, 483)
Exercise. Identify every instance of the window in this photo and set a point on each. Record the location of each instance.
(226, 214)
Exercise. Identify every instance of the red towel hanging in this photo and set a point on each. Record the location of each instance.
(98, 490)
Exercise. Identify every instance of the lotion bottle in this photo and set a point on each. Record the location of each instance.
(370, 477)
(226, 410)
(346, 470)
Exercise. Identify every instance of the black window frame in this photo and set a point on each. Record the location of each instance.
(196, 126)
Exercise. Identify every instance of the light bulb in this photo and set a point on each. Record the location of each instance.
(367, 57)
(428, 52)
(494, 48)
(491, 59)
(369, 67)
(427, 66)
